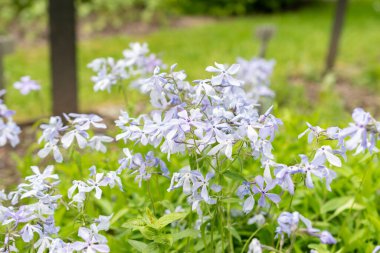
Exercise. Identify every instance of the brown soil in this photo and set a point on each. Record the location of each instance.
(351, 95)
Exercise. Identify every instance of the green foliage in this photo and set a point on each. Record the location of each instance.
(152, 229)
(228, 8)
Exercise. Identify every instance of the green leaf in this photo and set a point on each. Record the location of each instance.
(334, 204)
(187, 233)
(321, 248)
(150, 219)
(149, 233)
(193, 162)
(234, 175)
(105, 205)
(234, 233)
(119, 214)
(165, 239)
(152, 248)
(134, 224)
(350, 204)
(169, 218)
(140, 246)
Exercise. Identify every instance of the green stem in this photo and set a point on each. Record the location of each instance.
(229, 226)
(150, 196)
(125, 97)
(291, 244)
(243, 250)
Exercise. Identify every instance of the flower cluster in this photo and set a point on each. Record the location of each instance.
(289, 224)
(9, 131)
(361, 135)
(142, 167)
(256, 75)
(57, 135)
(28, 214)
(95, 183)
(211, 118)
(136, 63)
(193, 183)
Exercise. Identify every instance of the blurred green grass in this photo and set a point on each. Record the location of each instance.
(299, 48)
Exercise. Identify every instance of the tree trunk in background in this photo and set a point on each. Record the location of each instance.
(63, 55)
(6, 47)
(2, 78)
(335, 35)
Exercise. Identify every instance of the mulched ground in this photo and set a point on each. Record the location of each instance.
(351, 95)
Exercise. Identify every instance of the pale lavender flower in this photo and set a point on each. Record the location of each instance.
(43, 243)
(248, 204)
(204, 88)
(224, 75)
(125, 162)
(289, 222)
(96, 184)
(86, 121)
(284, 179)
(311, 168)
(91, 243)
(41, 177)
(203, 184)
(27, 232)
(256, 75)
(225, 145)
(326, 153)
(113, 179)
(97, 142)
(109, 72)
(51, 147)
(358, 132)
(254, 246)
(259, 188)
(135, 53)
(326, 238)
(52, 131)
(243, 189)
(77, 185)
(9, 132)
(258, 219)
(78, 134)
(26, 85)
(185, 178)
(23, 215)
(103, 222)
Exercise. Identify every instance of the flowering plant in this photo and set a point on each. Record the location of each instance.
(201, 138)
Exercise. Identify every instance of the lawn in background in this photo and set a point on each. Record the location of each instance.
(299, 48)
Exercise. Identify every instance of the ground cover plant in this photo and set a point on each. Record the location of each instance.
(204, 169)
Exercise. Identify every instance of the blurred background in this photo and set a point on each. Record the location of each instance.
(194, 34)
(327, 55)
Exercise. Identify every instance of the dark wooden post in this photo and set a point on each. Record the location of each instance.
(335, 35)
(63, 55)
(6, 47)
(264, 33)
